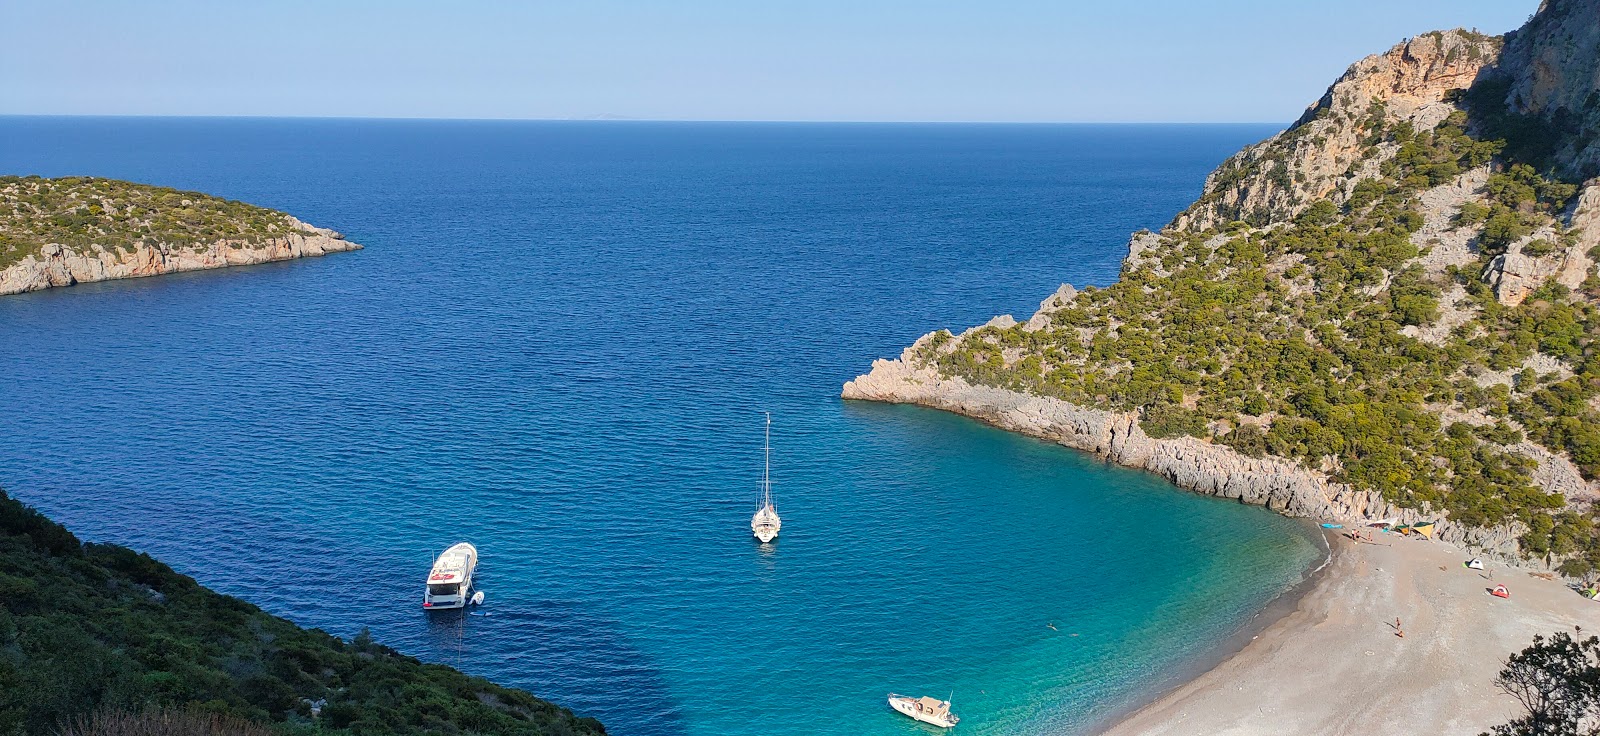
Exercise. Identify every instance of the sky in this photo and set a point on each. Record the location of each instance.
(844, 60)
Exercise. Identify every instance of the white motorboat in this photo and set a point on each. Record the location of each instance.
(928, 710)
(765, 524)
(450, 580)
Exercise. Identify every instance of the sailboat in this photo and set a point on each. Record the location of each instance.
(765, 524)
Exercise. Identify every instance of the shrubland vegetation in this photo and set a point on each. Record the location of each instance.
(101, 639)
(85, 213)
(1288, 337)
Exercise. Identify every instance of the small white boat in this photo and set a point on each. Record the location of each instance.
(925, 709)
(765, 524)
(450, 580)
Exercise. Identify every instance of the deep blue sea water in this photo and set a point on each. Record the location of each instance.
(558, 345)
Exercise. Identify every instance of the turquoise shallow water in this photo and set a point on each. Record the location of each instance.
(558, 345)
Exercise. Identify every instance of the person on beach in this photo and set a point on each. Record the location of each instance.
(1400, 632)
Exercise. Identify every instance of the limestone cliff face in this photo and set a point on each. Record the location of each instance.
(1322, 155)
(1552, 66)
(59, 266)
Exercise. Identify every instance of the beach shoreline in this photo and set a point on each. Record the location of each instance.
(1338, 664)
(1303, 665)
(1280, 606)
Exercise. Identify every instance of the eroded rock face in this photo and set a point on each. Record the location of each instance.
(1514, 274)
(1276, 179)
(1553, 68)
(1190, 463)
(62, 267)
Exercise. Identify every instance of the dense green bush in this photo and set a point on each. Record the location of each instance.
(85, 213)
(88, 628)
(1305, 326)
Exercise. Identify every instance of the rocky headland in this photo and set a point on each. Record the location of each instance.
(1387, 311)
(60, 232)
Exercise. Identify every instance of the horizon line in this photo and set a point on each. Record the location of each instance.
(622, 119)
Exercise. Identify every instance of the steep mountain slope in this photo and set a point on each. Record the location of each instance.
(1389, 308)
(85, 627)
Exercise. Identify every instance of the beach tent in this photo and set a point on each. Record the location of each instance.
(1425, 529)
(1475, 564)
(1500, 592)
(1381, 522)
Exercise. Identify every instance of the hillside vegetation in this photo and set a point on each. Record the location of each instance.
(90, 631)
(1399, 291)
(85, 214)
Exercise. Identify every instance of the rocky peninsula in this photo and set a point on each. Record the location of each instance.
(70, 230)
(1388, 312)
(1357, 314)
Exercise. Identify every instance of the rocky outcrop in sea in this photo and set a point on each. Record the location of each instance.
(57, 265)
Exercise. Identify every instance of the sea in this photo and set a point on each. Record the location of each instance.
(560, 343)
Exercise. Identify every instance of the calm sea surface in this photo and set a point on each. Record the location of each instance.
(558, 345)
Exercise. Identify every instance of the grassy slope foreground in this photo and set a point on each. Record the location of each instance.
(1398, 292)
(92, 627)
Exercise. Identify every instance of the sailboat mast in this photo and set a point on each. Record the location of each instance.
(766, 470)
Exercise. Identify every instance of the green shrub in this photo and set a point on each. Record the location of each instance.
(92, 636)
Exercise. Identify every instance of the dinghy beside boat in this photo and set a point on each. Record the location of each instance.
(450, 580)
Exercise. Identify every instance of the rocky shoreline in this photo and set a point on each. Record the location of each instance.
(59, 266)
(1188, 462)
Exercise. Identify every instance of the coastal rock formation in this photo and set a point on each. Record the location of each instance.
(1389, 310)
(1189, 463)
(59, 232)
(56, 265)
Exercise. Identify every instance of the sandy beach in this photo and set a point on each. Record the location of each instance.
(1335, 664)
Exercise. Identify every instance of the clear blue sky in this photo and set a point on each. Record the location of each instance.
(871, 60)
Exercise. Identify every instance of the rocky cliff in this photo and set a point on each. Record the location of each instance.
(57, 265)
(1189, 463)
(1391, 309)
(60, 232)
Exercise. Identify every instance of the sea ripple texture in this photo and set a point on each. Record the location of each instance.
(559, 343)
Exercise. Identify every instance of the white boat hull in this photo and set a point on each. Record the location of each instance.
(765, 524)
(912, 707)
(456, 573)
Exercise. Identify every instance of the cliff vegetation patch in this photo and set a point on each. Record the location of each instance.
(1380, 332)
(85, 214)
